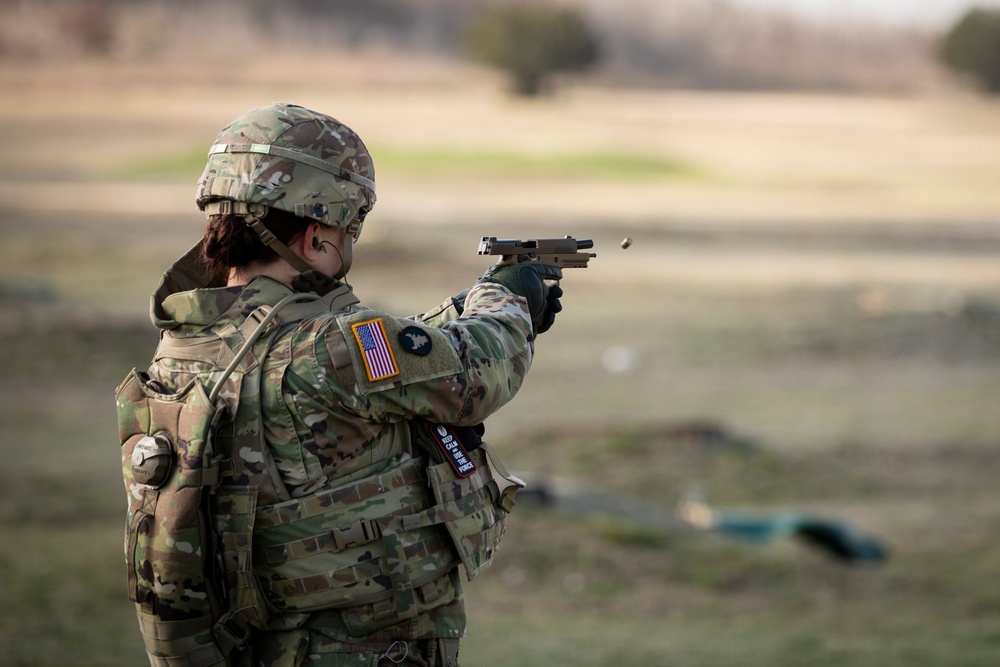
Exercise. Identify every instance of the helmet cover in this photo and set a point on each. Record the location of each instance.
(293, 159)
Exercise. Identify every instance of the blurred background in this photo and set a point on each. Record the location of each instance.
(763, 434)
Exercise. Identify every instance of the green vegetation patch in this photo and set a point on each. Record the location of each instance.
(509, 164)
(425, 161)
(183, 164)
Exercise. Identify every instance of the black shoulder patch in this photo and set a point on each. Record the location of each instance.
(415, 341)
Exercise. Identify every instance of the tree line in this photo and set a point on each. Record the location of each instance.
(677, 44)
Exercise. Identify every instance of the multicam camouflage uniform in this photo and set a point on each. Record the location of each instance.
(338, 527)
(327, 423)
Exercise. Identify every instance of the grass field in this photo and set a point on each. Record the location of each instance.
(817, 276)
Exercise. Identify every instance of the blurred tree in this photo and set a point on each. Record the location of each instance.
(91, 24)
(532, 42)
(972, 46)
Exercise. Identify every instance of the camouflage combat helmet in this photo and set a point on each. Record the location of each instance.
(290, 158)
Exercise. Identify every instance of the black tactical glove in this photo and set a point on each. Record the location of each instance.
(528, 280)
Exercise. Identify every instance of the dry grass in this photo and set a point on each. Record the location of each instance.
(757, 157)
(818, 274)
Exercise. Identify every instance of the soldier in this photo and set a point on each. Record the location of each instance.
(342, 470)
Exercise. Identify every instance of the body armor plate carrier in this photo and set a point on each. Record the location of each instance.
(214, 545)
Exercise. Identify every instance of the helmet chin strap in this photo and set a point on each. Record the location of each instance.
(272, 242)
(309, 279)
(346, 258)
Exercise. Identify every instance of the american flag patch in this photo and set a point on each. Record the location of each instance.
(379, 360)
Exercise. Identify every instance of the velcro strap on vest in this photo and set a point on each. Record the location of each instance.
(177, 645)
(357, 534)
(170, 630)
(210, 476)
(383, 610)
(403, 596)
(207, 656)
(449, 511)
(341, 354)
(432, 590)
(294, 592)
(232, 631)
(147, 509)
(410, 472)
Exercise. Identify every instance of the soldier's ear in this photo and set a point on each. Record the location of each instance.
(311, 244)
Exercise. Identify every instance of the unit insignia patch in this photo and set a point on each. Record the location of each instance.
(415, 341)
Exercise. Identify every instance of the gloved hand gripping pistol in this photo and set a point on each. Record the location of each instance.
(533, 268)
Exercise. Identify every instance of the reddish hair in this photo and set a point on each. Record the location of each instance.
(230, 243)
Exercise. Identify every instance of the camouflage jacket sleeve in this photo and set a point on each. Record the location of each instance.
(440, 366)
(450, 309)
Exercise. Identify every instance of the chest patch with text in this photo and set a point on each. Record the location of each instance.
(454, 451)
